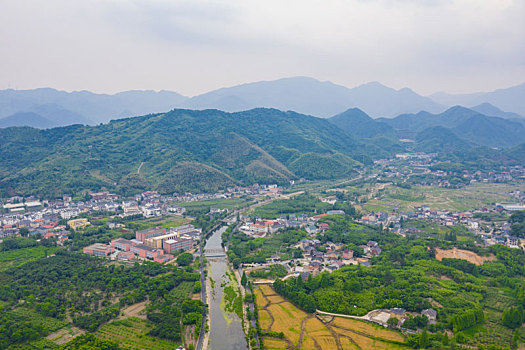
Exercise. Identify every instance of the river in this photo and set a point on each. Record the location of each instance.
(226, 327)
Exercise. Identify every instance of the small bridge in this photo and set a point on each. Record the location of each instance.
(214, 253)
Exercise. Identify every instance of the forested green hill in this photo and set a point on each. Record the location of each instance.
(181, 150)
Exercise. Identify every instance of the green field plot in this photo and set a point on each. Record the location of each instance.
(19, 257)
(132, 333)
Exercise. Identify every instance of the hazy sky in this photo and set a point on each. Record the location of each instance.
(194, 46)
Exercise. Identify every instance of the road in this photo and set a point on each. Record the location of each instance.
(203, 298)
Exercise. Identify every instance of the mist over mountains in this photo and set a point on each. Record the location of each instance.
(46, 107)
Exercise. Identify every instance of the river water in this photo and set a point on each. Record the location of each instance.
(226, 327)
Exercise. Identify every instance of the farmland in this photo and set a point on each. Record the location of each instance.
(306, 331)
(223, 203)
(17, 257)
(403, 199)
(131, 333)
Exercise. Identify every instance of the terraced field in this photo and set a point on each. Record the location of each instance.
(306, 331)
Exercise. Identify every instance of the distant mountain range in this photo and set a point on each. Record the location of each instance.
(510, 99)
(203, 151)
(313, 97)
(469, 127)
(49, 107)
(82, 107)
(467, 124)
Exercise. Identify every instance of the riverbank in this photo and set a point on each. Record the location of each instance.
(224, 300)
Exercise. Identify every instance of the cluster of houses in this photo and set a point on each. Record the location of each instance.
(157, 244)
(336, 256)
(500, 232)
(317, 257)
(404, 165)
(257, 227)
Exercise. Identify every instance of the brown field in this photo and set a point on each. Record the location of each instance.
(64, 335)
(367, 328)
(260, 299)
(366, 343)
(320, 333)
(347, 344)
(305, 331)
(135, 310)
(469, 256)
(266, 289)
(274, 344)
(265, 320)
(287, 319)
(274, 299)
(309, 344)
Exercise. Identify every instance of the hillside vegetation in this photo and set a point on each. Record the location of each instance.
(181, 150)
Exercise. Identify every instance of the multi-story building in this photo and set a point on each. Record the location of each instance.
(142, 235)
(98, 249)
(78, 223)
(146, 252)
(176, 244)
(121, 244)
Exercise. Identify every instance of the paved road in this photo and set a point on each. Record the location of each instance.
(251, 306)
(203, 299)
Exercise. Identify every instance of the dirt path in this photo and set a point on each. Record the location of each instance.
(334, 334)
(135, 310)
(303, 321)
(347, 337)
(140, 166)
(64, 335)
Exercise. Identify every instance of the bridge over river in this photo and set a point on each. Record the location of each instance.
(214, 253)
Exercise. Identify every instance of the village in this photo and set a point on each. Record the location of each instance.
(48, 218)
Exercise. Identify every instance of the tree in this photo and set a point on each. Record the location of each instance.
(513, 317)
(184, 259)
(444, 339)
(244, 279)
(423, 340)
(392, 322)
(24, 232)
(197, 287)
(236, 262)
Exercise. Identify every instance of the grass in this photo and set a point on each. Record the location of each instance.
(41, 343)
(132, 333)
(17, 257)
(182, 291)
(49, 323)
(264, 320)
(274, 344)
(222, 203)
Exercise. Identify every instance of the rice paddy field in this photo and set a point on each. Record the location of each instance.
(306, 331)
